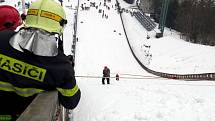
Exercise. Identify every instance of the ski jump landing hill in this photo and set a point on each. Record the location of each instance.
(149, 25)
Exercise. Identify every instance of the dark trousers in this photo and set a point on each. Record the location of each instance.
(107, 78)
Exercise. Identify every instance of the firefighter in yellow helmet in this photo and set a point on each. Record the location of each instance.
(31, 63)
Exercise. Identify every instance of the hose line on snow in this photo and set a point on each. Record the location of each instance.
(122, 77)
(154, 77)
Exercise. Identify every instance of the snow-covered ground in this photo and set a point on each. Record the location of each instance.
(17, 4)
(169, 54)
(101, 42)
(139, 96)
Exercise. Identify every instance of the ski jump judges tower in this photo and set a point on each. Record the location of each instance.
(162, 20)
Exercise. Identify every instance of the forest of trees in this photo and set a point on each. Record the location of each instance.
(195, 19)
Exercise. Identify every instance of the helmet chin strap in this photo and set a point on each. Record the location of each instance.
(36, 42)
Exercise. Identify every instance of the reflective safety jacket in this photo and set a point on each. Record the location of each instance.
(27, 74)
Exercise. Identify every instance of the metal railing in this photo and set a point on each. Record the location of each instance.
(44, 107)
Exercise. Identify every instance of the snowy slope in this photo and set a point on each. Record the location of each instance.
(100, 46)
(102, 42)
(170, 54)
